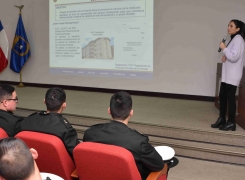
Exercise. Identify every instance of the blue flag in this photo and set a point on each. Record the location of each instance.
(20, 49)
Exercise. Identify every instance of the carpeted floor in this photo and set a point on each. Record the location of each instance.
(191, 169)
(147, 110)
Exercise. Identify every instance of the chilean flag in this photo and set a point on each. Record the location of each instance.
(4, 46)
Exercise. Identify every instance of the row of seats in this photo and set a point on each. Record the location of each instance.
(92, 160)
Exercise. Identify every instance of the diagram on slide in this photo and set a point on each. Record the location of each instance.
(100, 48)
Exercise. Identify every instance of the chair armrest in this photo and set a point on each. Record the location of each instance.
(156, 175)
(74, 174)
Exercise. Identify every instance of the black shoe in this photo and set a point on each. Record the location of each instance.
(228, 126)
(218, 123)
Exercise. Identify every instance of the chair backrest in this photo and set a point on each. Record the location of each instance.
(101, 161)
(52, 155)
(3, 134)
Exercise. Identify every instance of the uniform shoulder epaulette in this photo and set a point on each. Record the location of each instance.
(65, 122)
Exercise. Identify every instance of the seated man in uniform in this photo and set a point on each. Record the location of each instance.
(17, 161)
(51, 121)
(8, 121)
(118, 133)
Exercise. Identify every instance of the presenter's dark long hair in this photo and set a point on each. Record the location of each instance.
(241, 25)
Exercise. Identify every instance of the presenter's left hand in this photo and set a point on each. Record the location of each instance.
(222, 45)
(223, 59)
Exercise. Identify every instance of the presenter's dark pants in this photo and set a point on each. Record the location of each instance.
(227, 94)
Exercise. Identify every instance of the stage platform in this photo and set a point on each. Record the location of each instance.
(181, 124)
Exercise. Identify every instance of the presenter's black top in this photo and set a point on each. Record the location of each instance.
(116, 133)
(10, 123)
(52, 123)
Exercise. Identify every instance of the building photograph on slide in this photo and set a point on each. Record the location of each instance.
(82, 34)
(100, 48)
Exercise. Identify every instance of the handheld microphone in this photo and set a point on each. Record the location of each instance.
(223, 40)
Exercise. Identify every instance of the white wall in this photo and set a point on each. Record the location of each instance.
(186, 38)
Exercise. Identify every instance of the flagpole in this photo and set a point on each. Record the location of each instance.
(20, 84)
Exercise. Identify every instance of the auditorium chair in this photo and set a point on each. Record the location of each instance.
(3, 134)
(52, 155)
(108, 162)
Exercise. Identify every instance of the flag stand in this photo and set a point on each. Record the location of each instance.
(21, 84)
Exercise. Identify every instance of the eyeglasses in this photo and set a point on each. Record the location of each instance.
(15, 99)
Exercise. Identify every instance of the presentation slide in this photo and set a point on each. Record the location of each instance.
(108, 38)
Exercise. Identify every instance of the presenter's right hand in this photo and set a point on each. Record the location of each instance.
(223, 59)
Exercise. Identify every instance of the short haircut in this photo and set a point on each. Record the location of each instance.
(54, 98)
(16, 161)
(120, 105)
(6, 91)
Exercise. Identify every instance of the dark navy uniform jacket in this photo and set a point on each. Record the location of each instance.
(10, 123)
(116, 133)
(52, 123)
